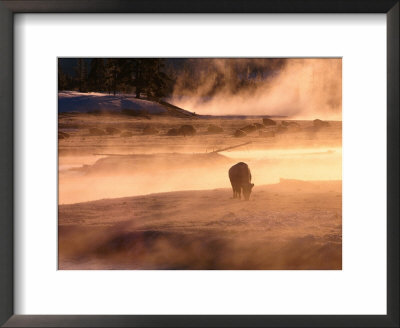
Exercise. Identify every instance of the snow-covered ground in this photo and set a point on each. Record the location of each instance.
(292, 225)
(164, 202)
(73, 101)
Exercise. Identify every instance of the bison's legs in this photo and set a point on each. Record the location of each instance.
(236, 191)
(233, 190)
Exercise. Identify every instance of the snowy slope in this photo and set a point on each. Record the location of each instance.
(73, 101)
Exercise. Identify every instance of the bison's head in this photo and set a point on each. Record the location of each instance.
(247, 190)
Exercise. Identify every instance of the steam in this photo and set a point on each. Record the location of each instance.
(298, 88)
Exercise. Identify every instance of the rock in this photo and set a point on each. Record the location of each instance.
(320, 124)
(187, 130)
(126, 134)
(173, 132)
(97, 132)
(148, 130)
(212, 128)
(266, 134)
(268, 122)
(112, 131)
(240, 133)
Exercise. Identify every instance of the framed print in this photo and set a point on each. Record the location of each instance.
(132, 114)
(220, 164)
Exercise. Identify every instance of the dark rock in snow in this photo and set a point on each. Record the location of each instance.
(187, 130)
(148, 130)
(173, 132)
(320, 124)
(212, 128)
(268, 122)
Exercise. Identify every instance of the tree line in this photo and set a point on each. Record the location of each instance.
(156, 78)
(145, 77)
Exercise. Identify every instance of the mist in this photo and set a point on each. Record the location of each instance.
(296, 88)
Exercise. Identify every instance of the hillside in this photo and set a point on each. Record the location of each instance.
(73, 101)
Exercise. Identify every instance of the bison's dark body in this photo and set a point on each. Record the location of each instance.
(240, 177)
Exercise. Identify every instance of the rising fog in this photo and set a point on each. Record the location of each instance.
(298, 88)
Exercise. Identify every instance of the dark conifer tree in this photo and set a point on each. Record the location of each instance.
(138, 76)
(81, 72)
(111, 75)
(96, 79)
(125, 74)
(62, 79)
(150, 78)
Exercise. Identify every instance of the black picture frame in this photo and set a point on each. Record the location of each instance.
(7, 10)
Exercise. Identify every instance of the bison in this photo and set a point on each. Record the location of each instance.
(240, 177)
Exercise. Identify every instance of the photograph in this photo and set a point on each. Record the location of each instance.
(199, 163)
